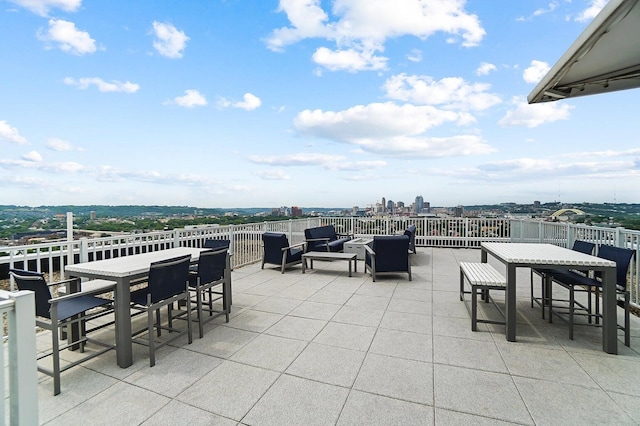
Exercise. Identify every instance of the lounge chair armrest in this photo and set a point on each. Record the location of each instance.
(318, 239)
(301, 245)
(369, 250)
(65, 282)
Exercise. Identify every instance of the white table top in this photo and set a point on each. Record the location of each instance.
(119, 267)
(544, 254)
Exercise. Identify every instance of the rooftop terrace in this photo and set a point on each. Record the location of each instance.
(323, 348)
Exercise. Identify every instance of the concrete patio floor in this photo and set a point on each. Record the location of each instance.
(322, 348)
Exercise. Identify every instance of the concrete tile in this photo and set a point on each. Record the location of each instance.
(359, 316)
(403, 321)
(402, 344)
(543, 363)
(222, 341)
(270, 352)
(121, 403)
(447, 417)
(257, 321)
(297, 292)
(368, 302)
(560, 403)
(396, 378)
(380, 289)
(177, 412)
(315, 310)
(295, 401)
(459, 327)
(613, 373)
(277, 305)
(327, 364)
(423, 295)
(366, 409)
(297, 328)
(328, 296)
(230, 390)
(410, 306)
(468, 353)
(348, 336)
(176, 372)
(478, 392)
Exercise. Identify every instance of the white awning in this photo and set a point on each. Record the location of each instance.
(605, 58)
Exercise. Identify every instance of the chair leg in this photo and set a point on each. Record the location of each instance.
(199, 309)
(152, 349)
(627, 330)
(56, 357)
(189, 328)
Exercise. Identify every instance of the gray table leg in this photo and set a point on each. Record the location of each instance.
(349, 267)
(609, 314)
(510, 303)
(124, 350)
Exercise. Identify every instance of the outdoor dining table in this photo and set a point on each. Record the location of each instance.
(538, 255)
(123, 270)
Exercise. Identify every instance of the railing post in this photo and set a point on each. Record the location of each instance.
(70, 259)
(23, 383)
(84, 249)
(570, 235)
(290, 233)
(176, 238)
(618, 237)
(232, 234)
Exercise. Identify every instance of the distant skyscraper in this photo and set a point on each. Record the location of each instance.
(390, 206)
(419, 204)
(384, 203)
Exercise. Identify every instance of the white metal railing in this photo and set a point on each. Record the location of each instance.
(19, 343)
(246, 243)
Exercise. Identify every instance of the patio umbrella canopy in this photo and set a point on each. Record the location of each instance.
(605, 58)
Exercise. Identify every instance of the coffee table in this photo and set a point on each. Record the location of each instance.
(326, 255)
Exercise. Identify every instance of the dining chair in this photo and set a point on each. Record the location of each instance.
(213, 270)
(543, 301)
(578, 282)
(168, 283)
(60, 314)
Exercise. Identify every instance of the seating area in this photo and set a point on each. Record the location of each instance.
(325, 238)
(388, 254)
(323, 348)
(277, 251)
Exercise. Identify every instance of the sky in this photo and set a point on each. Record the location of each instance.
(309, 103)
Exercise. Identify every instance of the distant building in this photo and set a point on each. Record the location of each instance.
(459, 211)
(390, 206)
(296, 211)
(419, 204)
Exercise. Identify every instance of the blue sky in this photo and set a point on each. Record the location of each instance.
(239, 103)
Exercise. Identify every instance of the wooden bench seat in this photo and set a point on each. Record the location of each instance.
(482, 277)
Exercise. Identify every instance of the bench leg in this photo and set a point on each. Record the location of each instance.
(461, 285)
(474, 308)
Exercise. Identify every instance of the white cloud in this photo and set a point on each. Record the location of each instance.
(11, 134)
(68, 38)
(550, 8)
(485, 68)
(169, 42)
(326, 161)
(249, 102)
(533, 115)
(56, 144)
(351, 60)
(103, 86)
(415, 55)
(42, 7)
(192, 98)
(389, 129)
(359, 28)
(32, 156)
(273, 175)
(450, 92)
(594, 8)
(535, 71)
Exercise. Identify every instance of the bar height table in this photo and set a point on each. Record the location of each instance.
(538, 255)
(123, 270)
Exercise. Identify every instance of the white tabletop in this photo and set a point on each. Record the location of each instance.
(119, 267)
(544, 254)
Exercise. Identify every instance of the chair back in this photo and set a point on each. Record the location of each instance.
(622, 257)
(583, 246)
(273, 245)
(34, 281)
(210, 243)
(392, 253)
(168, 278)
(212, 265)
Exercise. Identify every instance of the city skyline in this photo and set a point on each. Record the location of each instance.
(221, 104)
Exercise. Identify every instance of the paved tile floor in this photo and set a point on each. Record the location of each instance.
(325, 349)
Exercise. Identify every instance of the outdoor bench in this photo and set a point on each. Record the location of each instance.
(482, 277)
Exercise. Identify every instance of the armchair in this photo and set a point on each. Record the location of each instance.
(277, 251)
(59, 313)
(325, 238)
(411, 233)
(388, 254)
